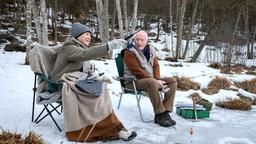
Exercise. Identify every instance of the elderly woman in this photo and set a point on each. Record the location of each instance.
(86, 117)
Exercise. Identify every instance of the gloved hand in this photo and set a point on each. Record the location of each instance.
(117, 44)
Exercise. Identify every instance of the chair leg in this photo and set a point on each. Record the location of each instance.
(34, 95)
(161, 95)
(55, 109)
(138, 97)
(39, 115)
(45, 108)
(50, 113)
(120, 99)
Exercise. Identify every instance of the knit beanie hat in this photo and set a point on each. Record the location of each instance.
(78, 29)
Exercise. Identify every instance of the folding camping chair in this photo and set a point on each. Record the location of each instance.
(49, 107)
(120, 68)
(45, 91)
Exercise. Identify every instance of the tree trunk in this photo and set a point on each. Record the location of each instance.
(102, 12)
(113, 21)
(192, 21)
(106, 21)
(54, 18)
(182, 8)
(235, 30)
(198, 52)
(37, 22)
(134, 15)
(246, 27)
(28, 30)
(158, 24)
(171, 47)
(252, 42)
(99, 7)
(126, 25)
(120, 19)
(44, 22)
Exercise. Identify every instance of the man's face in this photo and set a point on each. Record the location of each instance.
(85, 38)
(141, 40)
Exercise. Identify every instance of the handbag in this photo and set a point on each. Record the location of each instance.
(93, 87)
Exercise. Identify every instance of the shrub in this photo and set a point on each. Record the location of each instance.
(235, 104)
(14, 138)
(216, 84)
(186, 84)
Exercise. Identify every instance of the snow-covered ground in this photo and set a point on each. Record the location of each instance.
(223, 127)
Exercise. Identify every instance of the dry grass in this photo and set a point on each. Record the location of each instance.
(215, 65)
(216, 84)
(166, 50)
(175, 65)
(235, 104)
(170, 59)
(185, 84)
(14, 138)
(250, 72)
(249, 85)
(249, 99)
(237, 69)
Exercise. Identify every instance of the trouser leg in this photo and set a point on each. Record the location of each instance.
(150, 85)
(169, 95)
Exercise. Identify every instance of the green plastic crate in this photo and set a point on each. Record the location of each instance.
(188, 112)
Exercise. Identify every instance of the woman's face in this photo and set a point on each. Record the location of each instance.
(85, 38)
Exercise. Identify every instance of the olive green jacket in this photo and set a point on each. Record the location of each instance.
(71, 56)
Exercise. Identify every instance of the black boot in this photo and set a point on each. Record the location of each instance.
(162, 120)
(173, 122)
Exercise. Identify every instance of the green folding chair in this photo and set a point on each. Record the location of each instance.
(138, 93)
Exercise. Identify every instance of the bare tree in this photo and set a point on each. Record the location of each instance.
(44, 13)
(126, 24)
(134, 15)
(120, 18)
(246, 27)
(182, 7)
(29, 29)
(54, 19)
(36, 19)
(192, 21)
(171, 47)
(113, 21)
(103, 24)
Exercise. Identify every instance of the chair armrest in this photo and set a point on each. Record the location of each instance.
(126, 79)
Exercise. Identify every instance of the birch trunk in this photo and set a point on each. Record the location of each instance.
(134, 15)
(113, 21)
(171, 47)
(120, 19)
(99, 7)
(246, 27)
(182, 5)
(105, 22)
(37, 22)
(192, 21)
(29, 29)
(102, 12)
(54, 18)
(44, 22)
(126, 25)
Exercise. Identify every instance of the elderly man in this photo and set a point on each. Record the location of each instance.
(142, 64)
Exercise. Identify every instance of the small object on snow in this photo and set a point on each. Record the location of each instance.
(191, 131)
